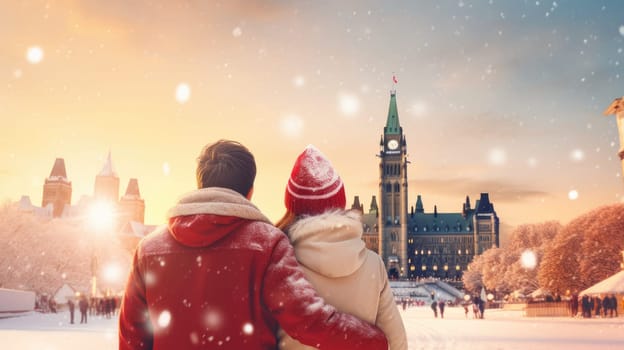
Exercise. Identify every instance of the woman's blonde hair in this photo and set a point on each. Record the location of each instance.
(286, 221)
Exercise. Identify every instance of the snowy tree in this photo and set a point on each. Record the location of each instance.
(587, 250)
(523, 255)
(515, 266)
(43, 254)
(473, 276)
(493, 268)
(559, 271)
(602, 245)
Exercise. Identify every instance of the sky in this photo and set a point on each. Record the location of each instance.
(504, 97)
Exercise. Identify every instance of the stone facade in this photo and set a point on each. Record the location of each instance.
(413, 243)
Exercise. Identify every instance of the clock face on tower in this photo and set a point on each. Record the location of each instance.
(393, 144)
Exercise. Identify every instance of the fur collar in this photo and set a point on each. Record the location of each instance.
(330, 243)
(216, 201)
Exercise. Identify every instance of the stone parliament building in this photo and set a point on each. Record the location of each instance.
(412, 243)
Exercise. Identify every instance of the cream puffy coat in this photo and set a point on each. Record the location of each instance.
(350, 277)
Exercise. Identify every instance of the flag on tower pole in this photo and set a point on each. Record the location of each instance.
(394, 79)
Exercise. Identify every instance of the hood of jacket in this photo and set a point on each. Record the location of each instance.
(329, 244)
(204, 216)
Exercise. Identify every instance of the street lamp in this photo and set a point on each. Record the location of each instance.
(617, 107)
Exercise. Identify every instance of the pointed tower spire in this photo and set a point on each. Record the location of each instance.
(133, 189)
(419, 205)
(132, 207)
(393, 127)
(356, 204)
(57, 189)
(107, 182)
(467, 203)
(108, 170)
(485, 206)
(58, 170)
(374, 209)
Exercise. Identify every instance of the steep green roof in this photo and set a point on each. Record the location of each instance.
(419, 205)
(442, 223)
(393, 127)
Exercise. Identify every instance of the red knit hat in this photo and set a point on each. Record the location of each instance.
(314, 186)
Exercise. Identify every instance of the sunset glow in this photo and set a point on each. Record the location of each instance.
(493, 97)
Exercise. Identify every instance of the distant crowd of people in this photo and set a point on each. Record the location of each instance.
(44, 303)
(102, 306)
(94, 306)
(605, 307)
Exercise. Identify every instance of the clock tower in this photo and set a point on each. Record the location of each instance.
(392, 219)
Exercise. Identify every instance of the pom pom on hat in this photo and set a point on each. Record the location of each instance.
(314, 186)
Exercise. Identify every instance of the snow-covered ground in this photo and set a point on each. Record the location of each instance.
(500, 330)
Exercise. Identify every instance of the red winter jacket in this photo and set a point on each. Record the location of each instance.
(221, 276)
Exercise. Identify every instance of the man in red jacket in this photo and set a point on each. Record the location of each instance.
(222, 276)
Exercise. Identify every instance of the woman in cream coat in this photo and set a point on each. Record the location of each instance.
(329, 247)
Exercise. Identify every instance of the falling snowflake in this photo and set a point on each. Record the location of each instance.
(34, 54)
(166, 169)
(622, 30)
(183, 92)
(194, 338)
(532, 162)
(528, 260)
(298, 81)
(112, 272)
(573, 194)
(291, 125)
(418, 108)
(237, 32)
(248, 328)
(164, 319)
(17, 73)
(497, 156)
(577, 155)
(213, 319)
(348, 104)
(150, 278)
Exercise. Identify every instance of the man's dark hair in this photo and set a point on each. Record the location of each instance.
(226, 164)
